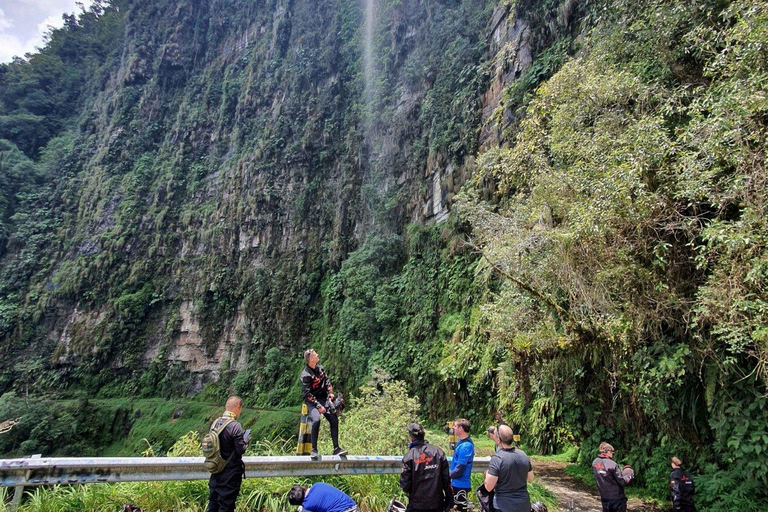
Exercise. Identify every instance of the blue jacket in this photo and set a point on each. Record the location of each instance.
(461, 464)
(322, 497)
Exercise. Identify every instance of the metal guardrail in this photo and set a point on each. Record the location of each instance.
(48, 471)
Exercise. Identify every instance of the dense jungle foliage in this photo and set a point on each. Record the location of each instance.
(603, 275)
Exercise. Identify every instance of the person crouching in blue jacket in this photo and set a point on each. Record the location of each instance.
(321, 497)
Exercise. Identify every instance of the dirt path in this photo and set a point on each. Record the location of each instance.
(572, 494)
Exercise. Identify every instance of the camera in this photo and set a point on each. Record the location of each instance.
(336, 405)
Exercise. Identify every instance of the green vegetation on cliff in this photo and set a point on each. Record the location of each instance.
(229, 183)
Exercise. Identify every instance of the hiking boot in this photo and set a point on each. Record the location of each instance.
(340, 452)
(313, 455)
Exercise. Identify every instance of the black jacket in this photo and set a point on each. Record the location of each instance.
(315, 385)
(425, 477)
(231, 440)
(681, 485)
(609, 477)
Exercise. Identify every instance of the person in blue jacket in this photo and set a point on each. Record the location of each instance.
(321, 497)
(461, 464)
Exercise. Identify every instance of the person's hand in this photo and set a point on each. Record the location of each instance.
(247, 436)
(321, 409)
(330, 395)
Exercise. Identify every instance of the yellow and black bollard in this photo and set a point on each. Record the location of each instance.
(452, 439)
(304, 444)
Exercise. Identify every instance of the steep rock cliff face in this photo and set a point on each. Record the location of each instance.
(226, 156)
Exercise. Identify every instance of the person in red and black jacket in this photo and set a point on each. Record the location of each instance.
(426, 478)
(317, 390)
(611, 480)
(681, 485)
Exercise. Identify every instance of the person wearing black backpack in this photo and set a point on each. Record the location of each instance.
(681, 485)
(224, 486)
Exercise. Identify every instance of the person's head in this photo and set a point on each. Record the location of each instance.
(311, 357)
(506, 436)
(234, 405)
(415, 432)
(606, 450)
(461, 428)
(675, 462)
(296, 495)
(493, 434)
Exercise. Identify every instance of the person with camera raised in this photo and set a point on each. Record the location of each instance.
(318, 395)
(509, 472)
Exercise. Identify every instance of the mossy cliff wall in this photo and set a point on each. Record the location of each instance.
(214, 162)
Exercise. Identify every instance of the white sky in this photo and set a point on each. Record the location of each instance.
(24, 22)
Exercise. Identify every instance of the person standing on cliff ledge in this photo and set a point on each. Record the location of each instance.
(317, 391)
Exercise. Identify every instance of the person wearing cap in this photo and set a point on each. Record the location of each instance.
(321, 497)
(317, 389)
(509, 472)
(681, 485)
(461, 464)
(425, 477)
(611, 479)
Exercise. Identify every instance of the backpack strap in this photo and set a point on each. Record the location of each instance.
(221, 428)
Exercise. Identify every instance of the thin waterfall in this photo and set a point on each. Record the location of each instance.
(369, 66)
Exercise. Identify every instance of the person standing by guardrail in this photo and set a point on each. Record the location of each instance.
(461, 464)
(509, 472)
(318, 392)
(425, 477)
(224, 486)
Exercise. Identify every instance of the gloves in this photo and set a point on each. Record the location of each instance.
(247, 436)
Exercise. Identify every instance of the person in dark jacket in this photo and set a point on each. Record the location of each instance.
(224, 487)
(321, 497)
(317, 390)
(425, 477)
(509, 472)
(611, 480)
(681, 485)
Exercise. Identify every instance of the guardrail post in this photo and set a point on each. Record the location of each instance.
(18, 492)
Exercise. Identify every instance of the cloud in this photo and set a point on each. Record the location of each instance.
(33, 21)
(5, 23)
(11, 46)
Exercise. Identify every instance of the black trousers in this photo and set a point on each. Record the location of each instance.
(223, 489)
(683, 506)
(619, 505)
(314, 418)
